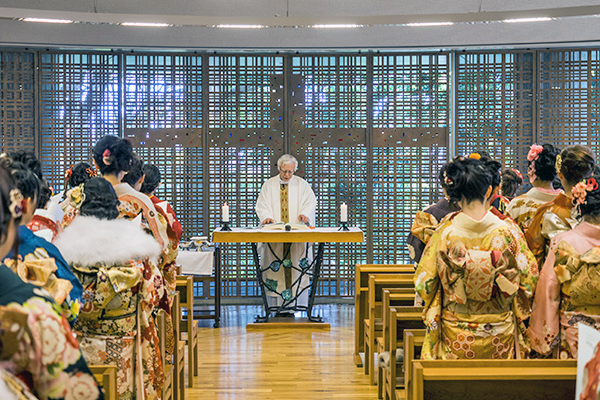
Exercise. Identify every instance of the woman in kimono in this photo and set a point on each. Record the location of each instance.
(541, 172)
(557, 216)
(471, 273)
(115, 261)
(569, 283)
(39, 348)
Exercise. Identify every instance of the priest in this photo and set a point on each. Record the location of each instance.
(289, 199)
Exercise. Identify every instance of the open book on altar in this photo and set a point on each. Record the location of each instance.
(280, 226)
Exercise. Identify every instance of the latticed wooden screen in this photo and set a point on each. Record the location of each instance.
(328, 135)
(495, 105)
(80, 101)
(163, 119)
(245, 137)
(17, 102)
(569, 98)
(409, 145)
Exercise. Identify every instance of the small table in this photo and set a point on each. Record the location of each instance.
(316, 235)
(200, 265)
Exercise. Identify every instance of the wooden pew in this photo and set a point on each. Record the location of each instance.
(106, 375)
(373, 324)
(413, 342)
(361, 281)
(400, 320)
(178, 351)
(168, 392)
(494, 379)
(188, 325)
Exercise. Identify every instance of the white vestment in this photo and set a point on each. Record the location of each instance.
(301, 200)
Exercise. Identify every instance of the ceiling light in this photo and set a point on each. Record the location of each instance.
(430, 24)
(541, 19)
(241, 26)
(334, 26)
(48, 20)
(150, 24)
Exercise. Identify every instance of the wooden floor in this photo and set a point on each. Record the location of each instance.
(279, 363)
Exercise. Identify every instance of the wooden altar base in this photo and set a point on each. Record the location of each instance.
(286, 322)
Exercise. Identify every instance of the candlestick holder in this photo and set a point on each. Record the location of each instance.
(225, 226)
(344, 226)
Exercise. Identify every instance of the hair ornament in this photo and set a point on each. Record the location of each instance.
(582, 188)
(69, 173)
(534, 152)
(475, 156)
(17, 203)
(447, 180)
(106, 157)
(516, 171)
(558, 163)
(91, 172)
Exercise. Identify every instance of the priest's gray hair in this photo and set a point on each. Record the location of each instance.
(287, 159)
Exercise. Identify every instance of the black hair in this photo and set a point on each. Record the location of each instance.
(468, 179)
(135, 172)
(494, 168)
(113, 155)
(511, 182)
(80, 173)
(7, 185)
(577, 162)
(100, 201)
(29, 160)
(45, 194)
(591, 206)
(443, 170)
(152, 178)
(27, 182)
(545, 164)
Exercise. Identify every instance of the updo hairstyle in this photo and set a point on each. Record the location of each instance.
(591, 206)
(511, 182)
(29, 160)
(575, 163)
(79, 173)
(100, 199)
(113, 155)
(467, 179)
(152, 178)
(7, 185)
(45, 194)
(494, 168)
(135, 172)
(27, 182)
(545, 164)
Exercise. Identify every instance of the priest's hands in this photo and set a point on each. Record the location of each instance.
(303, 218)
(268, 221)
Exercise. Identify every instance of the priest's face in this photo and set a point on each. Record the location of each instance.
(287, 171)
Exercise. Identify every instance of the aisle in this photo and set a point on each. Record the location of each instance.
(280, 364)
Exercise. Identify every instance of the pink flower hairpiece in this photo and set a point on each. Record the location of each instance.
(582, 188)
(17, 203)
(534, 152)
(106, 157)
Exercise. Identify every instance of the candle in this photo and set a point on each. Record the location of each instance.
(344, 213)
(225, 213)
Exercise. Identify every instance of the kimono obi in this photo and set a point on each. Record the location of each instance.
(42, 273)
(477, 276)
(110, 292)
(579, 276)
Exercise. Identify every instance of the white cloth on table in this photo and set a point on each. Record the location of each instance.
(301, 200)
(196, 262)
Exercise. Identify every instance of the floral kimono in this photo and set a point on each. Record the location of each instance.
(476, 279)
(550, 220)
(568, 292)
(425, 223)
(522, 208)
(122, 287)
(39, 348)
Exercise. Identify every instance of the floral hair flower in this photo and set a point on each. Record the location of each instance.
(580, 190)
(69, 173)
(475, 156)
(17, 205)
(558, 163)
(534, 152)
(447, 180)
(106, 157)
(516, 171)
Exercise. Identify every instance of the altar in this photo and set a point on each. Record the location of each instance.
(312, 270)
